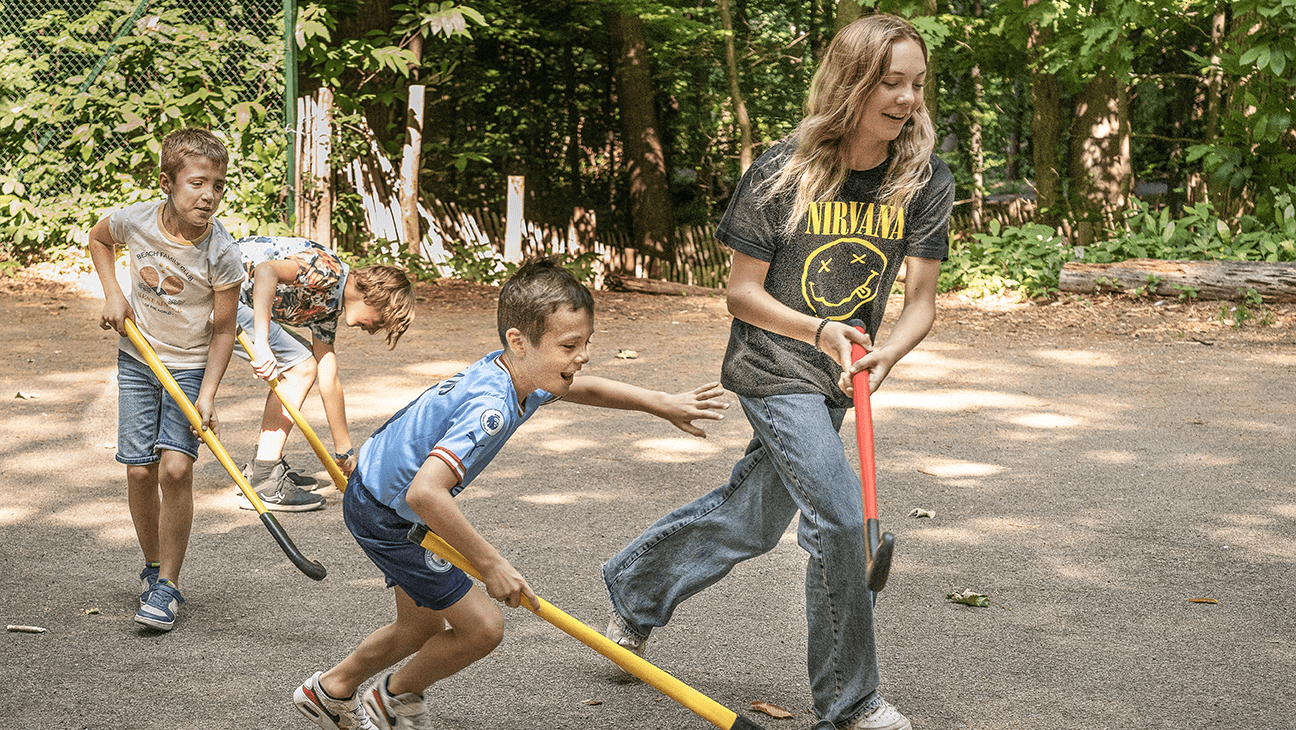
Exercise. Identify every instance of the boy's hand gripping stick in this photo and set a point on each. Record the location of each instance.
(703, 706)
(339, 479)
(877, 549)
(312, 569)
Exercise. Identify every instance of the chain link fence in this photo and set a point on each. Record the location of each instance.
(89, 87)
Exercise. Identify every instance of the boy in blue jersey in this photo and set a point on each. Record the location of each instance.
(412, 467)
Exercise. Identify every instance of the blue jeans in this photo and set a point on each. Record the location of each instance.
(795, 461)
(148, 420)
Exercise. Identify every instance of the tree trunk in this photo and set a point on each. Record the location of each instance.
(1046, 126)
(650, 203)
(974, 143)
(1199, 187)
(1101, 173)
(640, 285)
(735, 91)
(848, 11)
(408, 187)
(1229, 280)
(978, 154)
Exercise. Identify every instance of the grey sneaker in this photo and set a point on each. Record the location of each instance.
(395, 712)
(299, 479)
(302, 480)
(881, 716)
(281, 495)
(313, 702)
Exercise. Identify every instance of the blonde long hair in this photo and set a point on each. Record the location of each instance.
(852, 68)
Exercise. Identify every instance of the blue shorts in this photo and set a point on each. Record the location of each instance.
(148, 420)
(288, 347)
(383, 534)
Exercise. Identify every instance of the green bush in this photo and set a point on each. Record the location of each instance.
(1027, 261)
(70, 157)
(1024, 261)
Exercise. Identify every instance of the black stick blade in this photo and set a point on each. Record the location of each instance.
(742, 723)
(880, 566)
(311, 569)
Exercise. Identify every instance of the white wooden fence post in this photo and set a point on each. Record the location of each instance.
(513, 224)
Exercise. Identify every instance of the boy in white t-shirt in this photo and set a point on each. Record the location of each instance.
(185, 274)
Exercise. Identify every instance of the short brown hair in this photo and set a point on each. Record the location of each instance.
(389, 291)
(535, 291)
(182, 144)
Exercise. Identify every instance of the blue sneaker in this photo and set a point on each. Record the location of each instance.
(160, 606)
(148, 577)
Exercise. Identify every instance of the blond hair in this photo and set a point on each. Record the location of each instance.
(183, 144)
(851, 70)
(389, 291)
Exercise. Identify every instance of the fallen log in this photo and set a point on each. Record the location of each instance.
(1229, 280)
(640, 285)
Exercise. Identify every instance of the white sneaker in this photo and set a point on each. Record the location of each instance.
(626, 641)
(882, 717)
(395, 712)
(619, 636)
(313, 702)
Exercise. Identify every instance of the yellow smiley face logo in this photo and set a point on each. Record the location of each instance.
(841, 277)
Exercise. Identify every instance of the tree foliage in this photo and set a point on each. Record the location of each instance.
(1200, 91)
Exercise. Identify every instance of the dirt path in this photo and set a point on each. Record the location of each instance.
(1093, 465)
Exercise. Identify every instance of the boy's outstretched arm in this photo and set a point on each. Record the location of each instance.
(429, 497)
(680, 409)
(117, 308)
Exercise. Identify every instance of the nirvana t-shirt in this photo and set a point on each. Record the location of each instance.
(839, 265)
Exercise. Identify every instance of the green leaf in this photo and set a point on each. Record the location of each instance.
(970, 598)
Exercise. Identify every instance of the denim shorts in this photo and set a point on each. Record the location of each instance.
(289, 348)
(148, 420)
(429, 581)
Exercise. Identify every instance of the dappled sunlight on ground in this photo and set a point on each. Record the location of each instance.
(433, 371)
(555, 498)
(1079, 358)
(675, 450)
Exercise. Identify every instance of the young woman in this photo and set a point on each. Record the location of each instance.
(819, 227)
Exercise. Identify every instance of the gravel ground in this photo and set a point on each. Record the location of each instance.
(1094, 465)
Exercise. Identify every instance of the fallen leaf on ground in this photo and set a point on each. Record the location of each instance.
(1202, 600)
(970, 598)
(593, 702)
(771, 710)
(627, 355)
(92, 612)
(919, 512)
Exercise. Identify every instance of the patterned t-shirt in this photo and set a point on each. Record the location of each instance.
(314, 298)
(839, 265)
(463, 421)
(173, 283)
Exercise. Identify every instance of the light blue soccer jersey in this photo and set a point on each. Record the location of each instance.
(464, 421)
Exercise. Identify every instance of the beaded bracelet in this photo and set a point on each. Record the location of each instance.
(818, 332)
